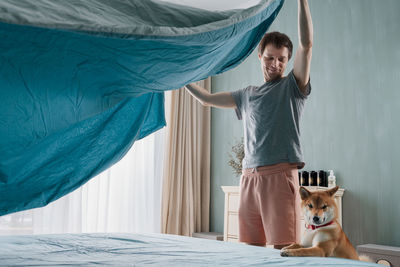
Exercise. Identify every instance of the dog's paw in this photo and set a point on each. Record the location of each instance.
(285, 253)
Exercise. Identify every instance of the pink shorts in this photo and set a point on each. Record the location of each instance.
(269, 208)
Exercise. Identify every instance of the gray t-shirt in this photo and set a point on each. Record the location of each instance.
(271, 114)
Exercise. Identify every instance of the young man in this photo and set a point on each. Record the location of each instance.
(269, 209)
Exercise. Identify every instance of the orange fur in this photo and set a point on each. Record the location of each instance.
(319, 208)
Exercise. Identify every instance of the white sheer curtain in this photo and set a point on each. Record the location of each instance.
(124, 198)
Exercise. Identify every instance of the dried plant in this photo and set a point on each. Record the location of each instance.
(236, 157)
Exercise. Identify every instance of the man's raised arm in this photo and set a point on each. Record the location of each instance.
(302, 60)
(219, 100)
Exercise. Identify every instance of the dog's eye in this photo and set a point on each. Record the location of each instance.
(324, 207)
(310, 206)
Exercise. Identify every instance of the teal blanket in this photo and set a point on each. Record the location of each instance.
(80, 81)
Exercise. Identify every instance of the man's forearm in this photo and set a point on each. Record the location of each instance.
(218, 100)
(302, 60)
(305, 25)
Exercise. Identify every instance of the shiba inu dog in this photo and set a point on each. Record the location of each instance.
(323, 236)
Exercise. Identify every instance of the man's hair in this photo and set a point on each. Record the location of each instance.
(278, 40)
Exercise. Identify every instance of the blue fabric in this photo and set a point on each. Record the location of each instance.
(75, 98)
(146, 249)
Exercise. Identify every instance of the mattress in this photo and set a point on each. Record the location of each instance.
(122, 249)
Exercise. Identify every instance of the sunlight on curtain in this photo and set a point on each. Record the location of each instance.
(124, 198)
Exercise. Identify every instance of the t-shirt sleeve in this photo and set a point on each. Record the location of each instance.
(238, 96)
(298, 93)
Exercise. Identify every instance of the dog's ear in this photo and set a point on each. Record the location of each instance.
(304, 193)
(332, 191)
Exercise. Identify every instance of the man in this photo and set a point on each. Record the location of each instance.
(269, 209)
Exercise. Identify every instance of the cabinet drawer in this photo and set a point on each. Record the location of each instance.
(233, 202)
(233, 225)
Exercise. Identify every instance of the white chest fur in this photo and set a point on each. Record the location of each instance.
(313, 237)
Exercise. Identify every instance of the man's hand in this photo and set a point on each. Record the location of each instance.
(219, 100)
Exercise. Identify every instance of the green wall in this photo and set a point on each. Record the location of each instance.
(351, 120)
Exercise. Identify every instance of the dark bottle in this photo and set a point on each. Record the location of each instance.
(312, 180)
(299, 177)
(322, 179)
(304, 178)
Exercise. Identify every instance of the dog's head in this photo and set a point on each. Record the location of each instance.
(319, 207)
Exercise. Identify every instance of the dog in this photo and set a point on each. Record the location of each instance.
(323, 236)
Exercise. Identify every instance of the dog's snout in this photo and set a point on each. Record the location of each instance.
(316, 219)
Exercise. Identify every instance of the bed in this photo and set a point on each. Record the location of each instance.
(144, 249)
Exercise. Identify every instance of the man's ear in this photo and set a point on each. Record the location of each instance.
(332, 191)
(304, 193)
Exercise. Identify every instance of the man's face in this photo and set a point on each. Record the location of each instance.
(273, 62)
